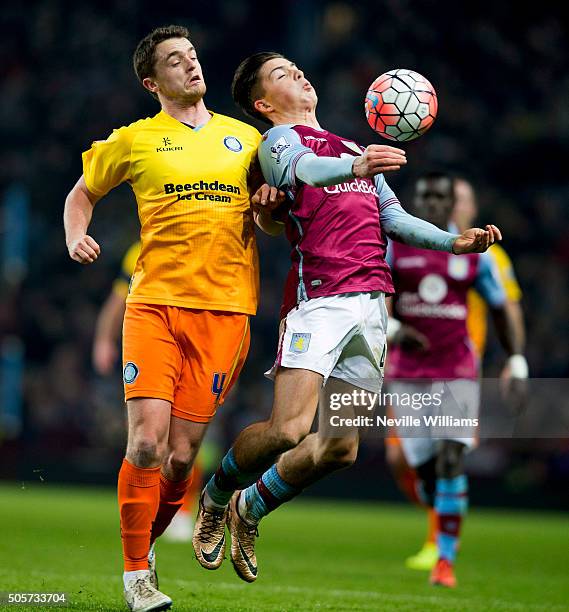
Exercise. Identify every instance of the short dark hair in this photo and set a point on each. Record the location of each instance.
(245, 88)
(143, 58)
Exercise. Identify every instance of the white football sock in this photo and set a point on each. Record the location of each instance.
(209, 504)
(243, 510)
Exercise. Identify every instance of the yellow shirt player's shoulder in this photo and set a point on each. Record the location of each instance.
(506, 272)
(107, 163)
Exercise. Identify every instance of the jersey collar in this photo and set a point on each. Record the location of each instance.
(168, 118)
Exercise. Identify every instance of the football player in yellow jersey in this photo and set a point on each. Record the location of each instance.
(464, 213)
(105, 354)
(195, 284)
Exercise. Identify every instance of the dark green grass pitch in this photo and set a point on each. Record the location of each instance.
(313, 555)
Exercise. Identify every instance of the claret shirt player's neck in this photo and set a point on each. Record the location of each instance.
(300, 117)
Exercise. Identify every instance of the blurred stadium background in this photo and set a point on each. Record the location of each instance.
(503, 86)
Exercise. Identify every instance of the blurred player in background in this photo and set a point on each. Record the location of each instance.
(463, 216)
(109, 323)
(105, 354)
(432, 344)
(195, 284)
(334, 319)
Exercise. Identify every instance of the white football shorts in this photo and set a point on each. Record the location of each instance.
(342, 336)
(460, 399)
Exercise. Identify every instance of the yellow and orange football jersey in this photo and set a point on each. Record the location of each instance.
(197, 238)
(477, 318)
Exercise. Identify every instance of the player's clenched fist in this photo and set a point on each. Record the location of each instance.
(378, 159)
(84, 250)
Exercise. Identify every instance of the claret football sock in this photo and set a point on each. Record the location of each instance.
(139, 497)
(172, 494)
(268, 493)
(226, 480)
(451, 503)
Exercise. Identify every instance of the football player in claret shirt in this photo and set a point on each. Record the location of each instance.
(338, 212)
(194, 287)
(464, 213)
(433, 354)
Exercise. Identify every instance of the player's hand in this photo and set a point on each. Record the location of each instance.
(514, 391)
(476, 240)
(267, 198)
(514, 387)
(378, 159)
(409, 339)
(105, 355)
(84, 250)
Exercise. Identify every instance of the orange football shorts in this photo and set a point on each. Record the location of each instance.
(190, 358)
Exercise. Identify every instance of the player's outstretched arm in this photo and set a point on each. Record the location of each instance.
(476, 240)
(286, 162)
(77, 215)
(323, 171)
(399, 225)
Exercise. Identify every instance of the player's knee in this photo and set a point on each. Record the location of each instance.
(146, 452)
(289, 435)
(450, 460)
(179, 465)
(180, 460)
(339, 455)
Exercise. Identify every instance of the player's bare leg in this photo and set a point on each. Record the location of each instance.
(139, 496)
(314, 458)
(183, 444)
(257, 446)
(294, 407)
(256, 449)
(184, 441)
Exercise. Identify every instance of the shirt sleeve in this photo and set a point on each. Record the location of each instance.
(384, 192)
(285, 162)
(107, 163)
(399, 225)
(488, 283)
(506, 271)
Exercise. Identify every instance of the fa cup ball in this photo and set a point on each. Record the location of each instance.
(401, 105)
